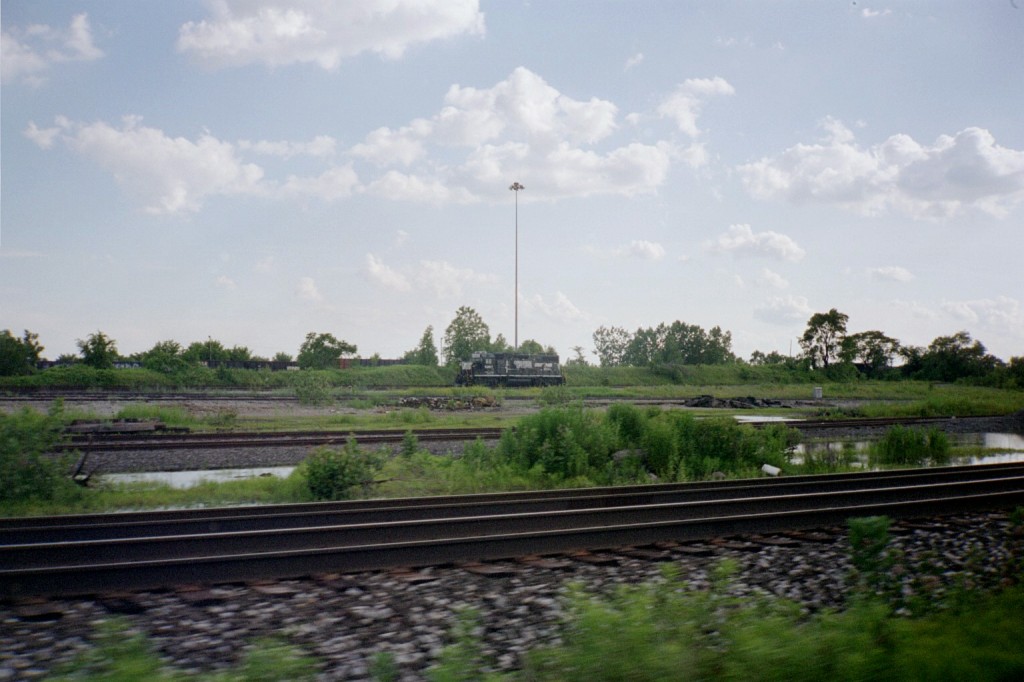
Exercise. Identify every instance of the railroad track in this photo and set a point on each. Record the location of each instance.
(158, 440)
(96, 553)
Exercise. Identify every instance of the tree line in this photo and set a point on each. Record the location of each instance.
(826, 346)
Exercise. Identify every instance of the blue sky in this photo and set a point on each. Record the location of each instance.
(253, 171)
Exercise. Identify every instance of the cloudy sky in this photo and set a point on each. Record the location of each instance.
(253, 170)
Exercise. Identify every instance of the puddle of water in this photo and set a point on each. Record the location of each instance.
(996, 441)
(187, 479)
(762, 419)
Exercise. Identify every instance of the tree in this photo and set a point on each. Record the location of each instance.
(239, 354)
(772, 358)
(281, 356)
(532, 347)
(949, 358)
(873, 350)
(205, 351)
(610, 345)
(466, 333)
(426, 352)
(500, 345)
(98, 350)
(578, 359)
(18, 356)
(164, 356)
(824, 337)
(322, 351)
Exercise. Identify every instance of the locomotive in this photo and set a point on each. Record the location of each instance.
(510, 369)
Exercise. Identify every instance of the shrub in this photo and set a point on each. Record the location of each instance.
(332, 474)
(312, 388)
(27, 472)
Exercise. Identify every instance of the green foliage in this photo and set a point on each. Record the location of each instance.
(18, 356)
(464, 659)
(121, 655)
(322, 351)
(466, 333)
(870, 554)
(98, 351)
(552, 396)
(333, 474)
(903, 445)
(312, 388)
(426, 352)
(29, 474)
(823, 338)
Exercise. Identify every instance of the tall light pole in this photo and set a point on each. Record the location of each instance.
(515, 187)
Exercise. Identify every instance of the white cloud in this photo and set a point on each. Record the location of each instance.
(384, 275)
(1002, 314)
(893, 273)
(770, 278)
(319, 146)
(26, 54)
(784, 310)
(401, 237)
(429, 190)
(338, 182)
(225, 282)
(265, 265)
(447, 280)
(966, 170)
(308, 291)
(642, 249)
(634, 61)
(741, 239)
(684, 105)
(869, 13)
(385, 146)
(321, 32)
(561, 309)
(167, 174)
(44, 137)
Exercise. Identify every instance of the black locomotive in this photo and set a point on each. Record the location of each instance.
(510, 369)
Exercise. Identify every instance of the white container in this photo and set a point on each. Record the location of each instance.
(770, 470)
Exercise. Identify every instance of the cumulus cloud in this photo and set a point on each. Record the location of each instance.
(784, 310)
(28, 53)
(225, 282)
(281, 32)
(446, 280)
(384, 275)
(869, 13)
(635, 60)
(685, 104)
(1002, 314)
(770, 278)
(168, 174)
(892, 273)
(319, 146)
(957, 172)
(741, 239)
(308, 291)
(642, 249)
(559, 309)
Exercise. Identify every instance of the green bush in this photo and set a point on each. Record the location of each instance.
(312, 387)
(27, 472)
(333, 474)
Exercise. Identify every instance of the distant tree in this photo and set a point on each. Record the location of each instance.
(210, 350)
(322, 351)
(426, 352)
(531, 347)
(873, 349)
(823, 337)
(239, 354)
(466, 333)
(949, 358)
(610, 345)
(578, 359)
(679, 344)
(281, 356)
(1015, 371)
(18, 356)
(500, 345)
(164, 356)
(773, 358)
(98, 350)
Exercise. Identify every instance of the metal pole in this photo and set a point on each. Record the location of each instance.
(515, 187)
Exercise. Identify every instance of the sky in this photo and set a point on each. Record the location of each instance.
(254, 170)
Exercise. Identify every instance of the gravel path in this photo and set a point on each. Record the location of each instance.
(345, 620)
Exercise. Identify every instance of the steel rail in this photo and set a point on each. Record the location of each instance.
(283, 517)
(78, 567)
(159, 441)
(26, 526)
